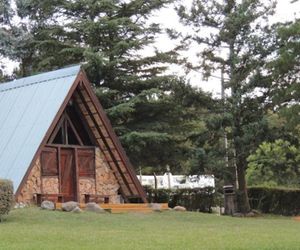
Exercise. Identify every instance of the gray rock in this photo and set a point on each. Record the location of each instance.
(48, 205)
(94, 207)
(179, 208)
(238, 215)
(69, 206)
(77, 210)
(155, 207)
(256, 212)
(250, 214)
(20, 205)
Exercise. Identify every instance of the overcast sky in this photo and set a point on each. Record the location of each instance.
(168, 18)
(285, 11)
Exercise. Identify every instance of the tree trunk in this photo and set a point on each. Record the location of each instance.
(242, 195)
(243, 205)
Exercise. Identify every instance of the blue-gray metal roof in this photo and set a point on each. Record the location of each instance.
(27, 109)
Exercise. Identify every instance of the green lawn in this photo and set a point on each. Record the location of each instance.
(32, 228)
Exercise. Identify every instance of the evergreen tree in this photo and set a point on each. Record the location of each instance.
(275, 162)
(285, 73)
(238, 43)
(152, 112)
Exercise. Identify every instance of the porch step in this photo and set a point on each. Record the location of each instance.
(129, 210)
(124, 208)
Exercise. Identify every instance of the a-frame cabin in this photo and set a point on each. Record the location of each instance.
(57, 143)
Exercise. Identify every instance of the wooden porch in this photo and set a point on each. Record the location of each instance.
(123, 208)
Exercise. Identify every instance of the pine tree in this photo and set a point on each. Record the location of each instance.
(285, 72)
(239, 42)
(152, 112)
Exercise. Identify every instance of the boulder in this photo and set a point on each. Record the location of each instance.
(94, 207)
(155, 207)
(48, 205)
(179, 208)
(69, 206)
(238, 215)
(250, 214)
(20, 205)
(77, 210)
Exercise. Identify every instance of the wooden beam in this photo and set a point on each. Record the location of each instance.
(114, 137)
(65, 130)
(70, 146)
(74, 129)
(92, 120)
(102, 137)
(57, 128)
(77, 174)
(84, 123)
(59, 169)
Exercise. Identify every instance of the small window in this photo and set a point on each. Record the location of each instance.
(49, 162)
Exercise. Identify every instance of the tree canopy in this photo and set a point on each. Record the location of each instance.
(154, 113)
(160, 118)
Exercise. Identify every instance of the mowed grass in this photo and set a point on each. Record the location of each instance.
(32, 228)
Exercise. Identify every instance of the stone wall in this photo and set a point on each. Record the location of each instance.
(50, 185)
(32, 185)
(106, 182)
(86, 186)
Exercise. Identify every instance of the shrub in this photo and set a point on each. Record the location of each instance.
(284, 201)
(6, 197)
(200, 199)
(274, 164)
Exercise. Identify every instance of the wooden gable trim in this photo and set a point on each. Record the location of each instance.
(55, 131)
(85, 124)
(74, 130)
(63, 122)
(104, 147)
(78, 79)
(114, 138)
(121, 174)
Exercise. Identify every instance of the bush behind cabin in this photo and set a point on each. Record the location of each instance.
(283, 201)
(197, 199)
(6, 197)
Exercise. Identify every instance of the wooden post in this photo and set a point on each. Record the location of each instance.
(155, 187)
(77, 174)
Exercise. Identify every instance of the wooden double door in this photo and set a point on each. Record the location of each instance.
(68, 180)
(68, 164)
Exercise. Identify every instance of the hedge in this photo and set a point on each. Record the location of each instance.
(200, 199)
(6, 197)
(282, 201)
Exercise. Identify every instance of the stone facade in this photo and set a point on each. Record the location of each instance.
(86, 186)
(106, 182)
(50, 185)
(32, 185)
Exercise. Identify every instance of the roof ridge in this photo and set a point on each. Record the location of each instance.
(33, 83)
(40, 78)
